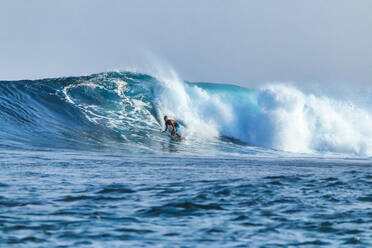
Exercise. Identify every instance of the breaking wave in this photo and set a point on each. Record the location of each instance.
(124, 110)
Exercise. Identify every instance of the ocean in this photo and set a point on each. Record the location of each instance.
(84, 164)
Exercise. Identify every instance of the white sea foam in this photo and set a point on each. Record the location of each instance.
(305, 123)
(283, 117)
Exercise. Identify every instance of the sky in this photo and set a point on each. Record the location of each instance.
(239, 41)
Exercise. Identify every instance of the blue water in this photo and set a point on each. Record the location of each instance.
(84, 164)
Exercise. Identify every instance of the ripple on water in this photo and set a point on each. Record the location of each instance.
(7, 202)
(367, 198)
(181, 208)
(314, 243)
(25, 240)
(116, 189)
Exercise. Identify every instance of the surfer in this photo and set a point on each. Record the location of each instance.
(174, 125)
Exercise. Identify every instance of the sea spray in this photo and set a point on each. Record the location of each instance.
(308, 123)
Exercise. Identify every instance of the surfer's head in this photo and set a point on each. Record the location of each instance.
(165, 118)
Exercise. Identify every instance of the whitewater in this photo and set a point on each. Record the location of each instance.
(84, 163)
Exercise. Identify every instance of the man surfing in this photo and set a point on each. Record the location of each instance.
(174, 125)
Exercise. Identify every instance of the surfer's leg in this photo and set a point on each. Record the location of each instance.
(175, 131)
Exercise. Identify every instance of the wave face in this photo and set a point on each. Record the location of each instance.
(124, 110)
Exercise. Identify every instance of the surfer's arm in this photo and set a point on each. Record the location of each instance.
(166, 127)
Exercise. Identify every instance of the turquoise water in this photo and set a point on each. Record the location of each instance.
(84, 164)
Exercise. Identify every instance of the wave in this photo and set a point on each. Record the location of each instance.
(118, 110)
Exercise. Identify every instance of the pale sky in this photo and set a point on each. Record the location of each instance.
(236, 41)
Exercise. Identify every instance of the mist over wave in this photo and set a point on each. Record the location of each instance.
(125, 110)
